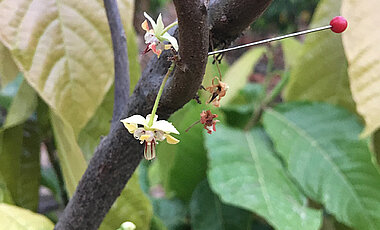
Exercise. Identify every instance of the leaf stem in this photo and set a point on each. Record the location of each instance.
(267, 100)
(154, 110)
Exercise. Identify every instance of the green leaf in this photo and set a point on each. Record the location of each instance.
(362, 48)
(23, 106)
(10, 153)
(209, 213)
(8, 68)
(321, 70)
(237, 75)
(244, 171)
(28, 180)
(292, 49)
(157, 224)
(375, 147)
(172, 213)
(240, 109)
(320, 147)
(5, 195)
(12, 217)
(20, 165)
(184, 165)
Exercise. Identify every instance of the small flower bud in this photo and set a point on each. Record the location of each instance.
(127, 226)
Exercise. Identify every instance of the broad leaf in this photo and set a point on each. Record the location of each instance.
(237, 74)
(12, 217)
(8, 68)
(209, 213)
(321, 70)
(64, 49)
(244, 171)
(320, 147)
(362, 49)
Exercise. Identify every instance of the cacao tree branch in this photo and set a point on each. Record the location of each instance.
(118, 154)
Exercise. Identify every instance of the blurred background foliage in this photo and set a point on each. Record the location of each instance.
(286, 153)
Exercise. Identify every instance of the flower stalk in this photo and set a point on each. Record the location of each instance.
(154, 110)
(169, 27)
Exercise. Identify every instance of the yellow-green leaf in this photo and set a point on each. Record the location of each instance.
(292, 50)
(237, 75)
(320, 73)
(15, 218)
(8, 68)
(362, 47)
(64, 50)
(71, 158)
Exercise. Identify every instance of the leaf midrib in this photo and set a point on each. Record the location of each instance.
(324, 154)
(260, 174)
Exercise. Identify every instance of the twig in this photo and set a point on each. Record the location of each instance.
(121, 64)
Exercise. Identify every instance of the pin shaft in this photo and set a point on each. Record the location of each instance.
(271, 39)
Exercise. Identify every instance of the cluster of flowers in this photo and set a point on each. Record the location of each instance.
(150, 130)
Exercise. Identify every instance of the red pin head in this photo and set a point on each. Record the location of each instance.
(338, 24)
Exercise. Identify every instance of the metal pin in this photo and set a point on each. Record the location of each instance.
(271, 39)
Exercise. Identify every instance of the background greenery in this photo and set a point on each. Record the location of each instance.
(296, 146)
